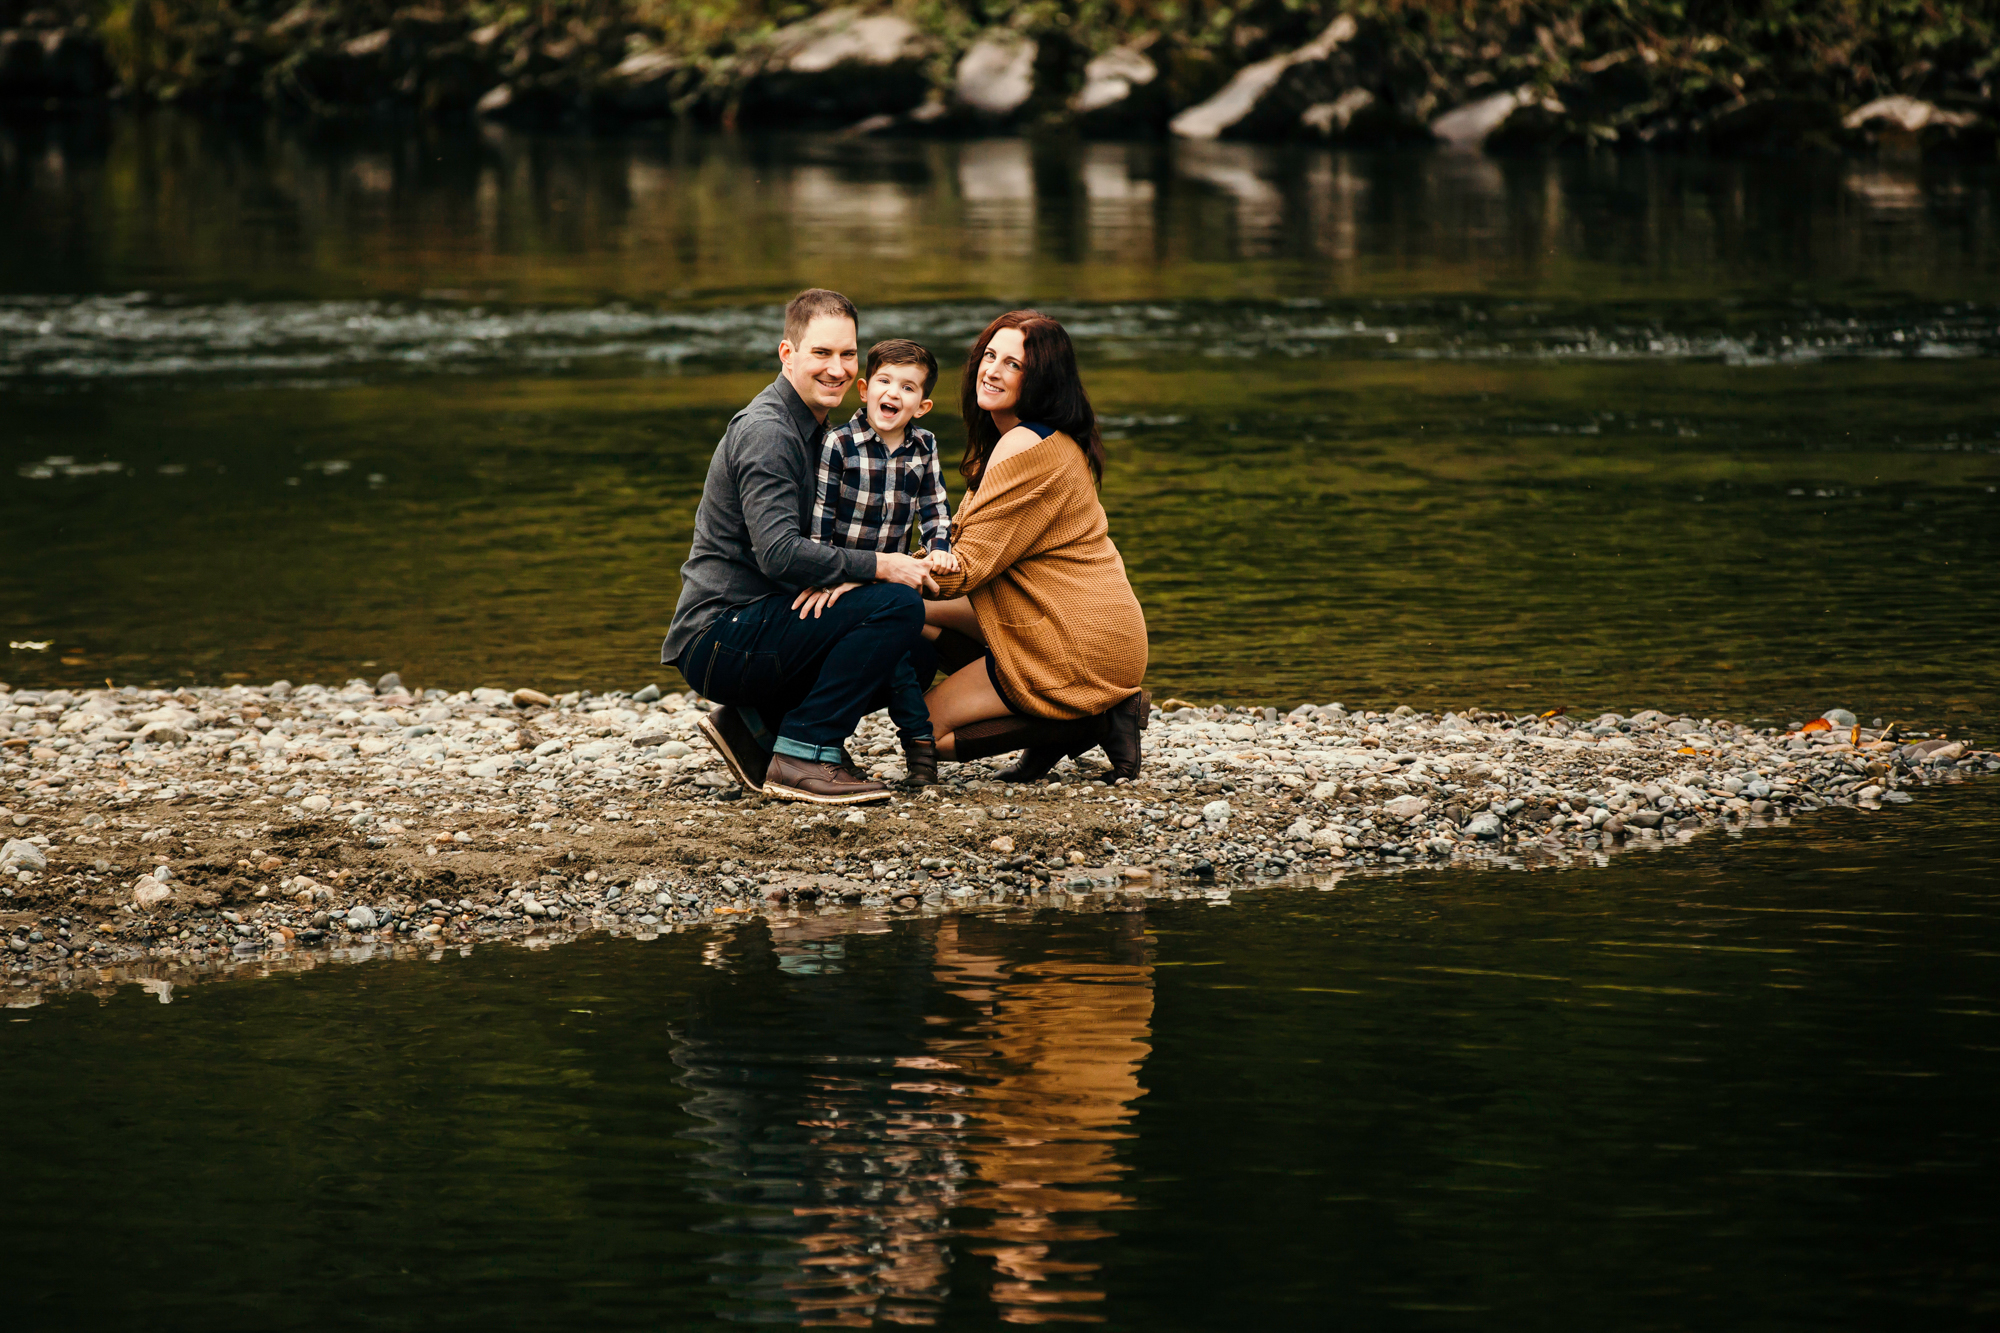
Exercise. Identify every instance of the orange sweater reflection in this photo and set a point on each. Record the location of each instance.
(1015, 1117)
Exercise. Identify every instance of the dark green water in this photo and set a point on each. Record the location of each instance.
(1610, 433)
(1743, 1084)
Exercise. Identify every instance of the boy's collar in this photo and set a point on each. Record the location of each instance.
(859, 421)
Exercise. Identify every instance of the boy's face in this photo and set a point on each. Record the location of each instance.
(894, 397)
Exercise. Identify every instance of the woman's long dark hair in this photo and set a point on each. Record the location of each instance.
(1051, 392)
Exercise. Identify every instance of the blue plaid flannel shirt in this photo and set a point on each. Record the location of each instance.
(868, 496)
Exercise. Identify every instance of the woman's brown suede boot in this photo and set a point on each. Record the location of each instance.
(1123, 724)
(1035, 763)
(1116, 730)
(1003, 735)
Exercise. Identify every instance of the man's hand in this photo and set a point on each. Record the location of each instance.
(894, 567)
(815, 600)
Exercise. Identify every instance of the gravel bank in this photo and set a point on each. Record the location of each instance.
(150, 835)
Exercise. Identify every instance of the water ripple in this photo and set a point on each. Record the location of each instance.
(139, 337)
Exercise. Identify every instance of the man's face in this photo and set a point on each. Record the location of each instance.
(823, 363)
(894, 397)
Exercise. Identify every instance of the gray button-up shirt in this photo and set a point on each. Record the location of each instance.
(750, 533)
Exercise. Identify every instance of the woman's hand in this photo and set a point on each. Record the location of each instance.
(815, 600)
(908, 570)
(943, 562)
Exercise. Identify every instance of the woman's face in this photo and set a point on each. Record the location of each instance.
(998, 387)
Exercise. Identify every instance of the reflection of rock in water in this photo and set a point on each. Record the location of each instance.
(922, 1095)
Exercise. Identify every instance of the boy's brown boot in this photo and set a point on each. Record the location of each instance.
(920, 757)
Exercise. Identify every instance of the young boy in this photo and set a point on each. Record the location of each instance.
(878, 474)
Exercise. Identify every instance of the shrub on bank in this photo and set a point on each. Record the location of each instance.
(1720, 73)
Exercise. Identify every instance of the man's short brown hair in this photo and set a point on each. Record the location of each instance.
(811, 304)
(902, 352)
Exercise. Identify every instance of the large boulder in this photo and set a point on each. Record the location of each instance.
(332, 78)
(1907, 123)
(1265, 100)
(1123, 89)
(1358, 116)
(61, 62)
(648, 86)
(995, 78)
(1523, 118)
(1770, 123)
(1616, 98)
(1908, 114)
(20, 63)
(840, 66)
(74, 64)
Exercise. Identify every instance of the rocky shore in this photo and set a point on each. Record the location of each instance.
(1845, 74)
(151, 834)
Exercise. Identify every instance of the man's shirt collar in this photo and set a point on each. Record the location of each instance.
(802, 415)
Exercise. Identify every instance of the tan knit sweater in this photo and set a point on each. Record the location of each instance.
(1049, 588)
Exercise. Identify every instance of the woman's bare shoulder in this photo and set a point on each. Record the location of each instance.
(1013, 444)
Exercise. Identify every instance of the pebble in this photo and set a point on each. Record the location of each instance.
(20, 854)
(527, 698)
(149, 891)
(1406, 808)
(1225, 793)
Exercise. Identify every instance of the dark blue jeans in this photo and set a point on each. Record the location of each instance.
(805, 684)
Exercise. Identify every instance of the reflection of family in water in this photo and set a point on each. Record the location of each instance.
(941, 1099)
(802, 610)
(950, 1101)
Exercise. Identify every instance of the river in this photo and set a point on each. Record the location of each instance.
(1588, 432)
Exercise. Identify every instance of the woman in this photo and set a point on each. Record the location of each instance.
(1032, 573)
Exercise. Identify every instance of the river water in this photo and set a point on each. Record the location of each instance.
(1746, 1083)
(1587, 432)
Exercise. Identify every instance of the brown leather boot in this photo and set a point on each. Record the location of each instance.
(790, 779)
(920, 756)
(1035, 763)
(1123, 723)
(730, 735)
(1116, 730)
(1003, 735)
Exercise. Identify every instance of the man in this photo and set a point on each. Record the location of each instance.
(792, 687)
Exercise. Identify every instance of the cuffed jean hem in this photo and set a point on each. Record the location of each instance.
(812, 754)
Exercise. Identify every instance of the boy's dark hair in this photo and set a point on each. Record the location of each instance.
(902, 352)
(812, 304)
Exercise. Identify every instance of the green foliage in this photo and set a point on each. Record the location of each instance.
(1696, 51)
